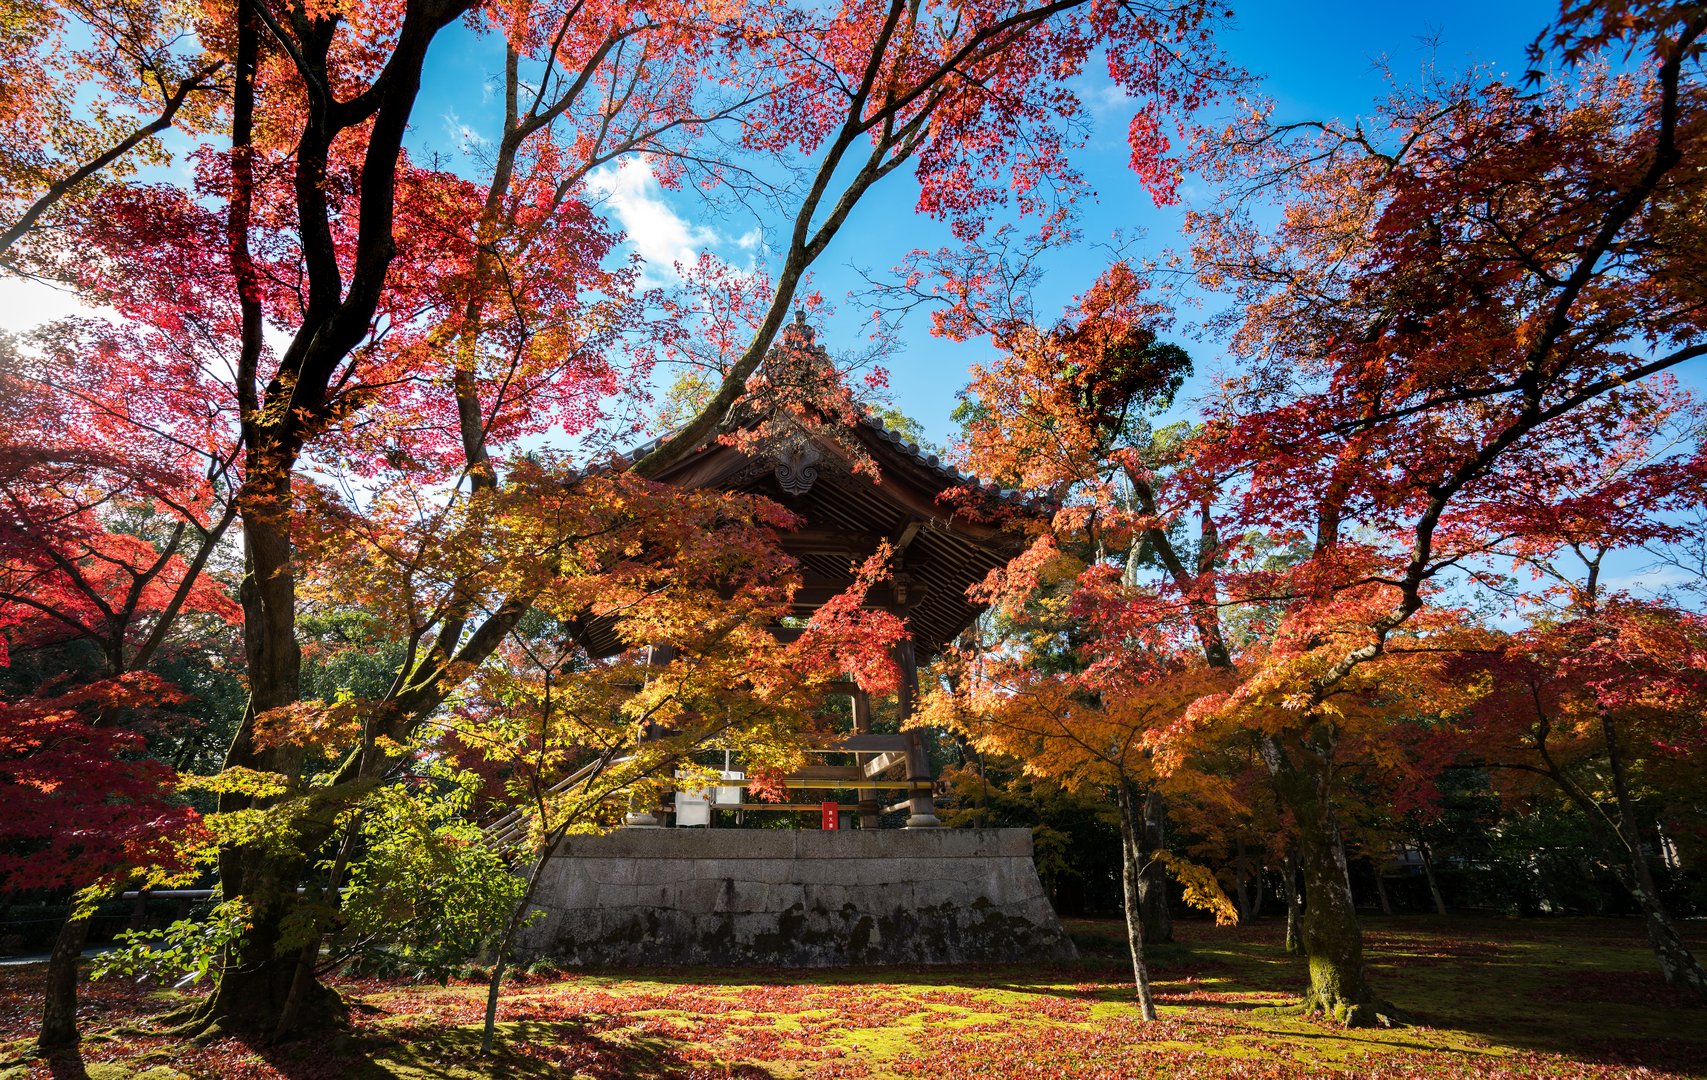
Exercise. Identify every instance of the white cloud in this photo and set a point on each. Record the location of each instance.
(466, 138)
(1108, 109)
(26, 304)
(661, 236)
(1106, 99)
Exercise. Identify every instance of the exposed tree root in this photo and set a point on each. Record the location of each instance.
(212, 1019)
(166, 1023)
(1353, 1014)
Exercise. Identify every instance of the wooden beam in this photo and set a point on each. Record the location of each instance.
(829, 542)
(827, 772)
(884, 762)
(849, 744)
(905, 535)
(816, 593)
(860, 785)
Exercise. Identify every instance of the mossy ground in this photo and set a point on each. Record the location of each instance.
(1492, 998)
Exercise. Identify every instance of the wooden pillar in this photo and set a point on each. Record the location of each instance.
(642, 806)
(922, 805)
(869, 807)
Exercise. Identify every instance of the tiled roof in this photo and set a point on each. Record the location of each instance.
(931, 461)
(917, 454)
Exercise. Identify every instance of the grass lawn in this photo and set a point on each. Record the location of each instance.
(1491, 998)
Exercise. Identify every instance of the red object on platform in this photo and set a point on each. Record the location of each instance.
(830, 813)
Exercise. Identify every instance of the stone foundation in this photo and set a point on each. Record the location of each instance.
(794, 898)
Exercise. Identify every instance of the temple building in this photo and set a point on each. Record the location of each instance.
(658, 893)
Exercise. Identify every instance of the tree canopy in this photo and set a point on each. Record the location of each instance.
(347, 469)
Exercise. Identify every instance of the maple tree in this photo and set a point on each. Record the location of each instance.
(413, 303)
(91, 89)
(1083, 728)
(1601, 691)
(1457, 297)
(1084, 686)
(86, 809)
(1605, 705)
(109, 524)
(84, 812)
(1416, 364)
(111, 519)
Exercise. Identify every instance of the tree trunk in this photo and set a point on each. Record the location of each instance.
(1381, 888)
(300, 990)
(59, 1009)
(1247, 883)
(1153, 881)
(301, 987)
(1333, 940)
(1676, 962)
(489, 1033)
(1294, 905)
(255, 981)
(258, 981)
(1131, 829)
(1428, 872)
(256, 977)
(1257, 891)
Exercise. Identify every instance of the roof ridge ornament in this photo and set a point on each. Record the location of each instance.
(799, 333)
(797, 457)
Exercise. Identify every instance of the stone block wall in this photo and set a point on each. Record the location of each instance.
(794, 898)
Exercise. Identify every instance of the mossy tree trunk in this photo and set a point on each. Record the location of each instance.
(280, 414)
(1332, 937)
(259, 985)
(1132, 873)
(59, 994)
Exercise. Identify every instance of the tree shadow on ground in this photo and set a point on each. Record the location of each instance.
(1575, 988)
(1490, 987)
(67, 1065)
(524, 1050)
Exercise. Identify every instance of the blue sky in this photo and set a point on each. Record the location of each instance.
(1316, 60)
